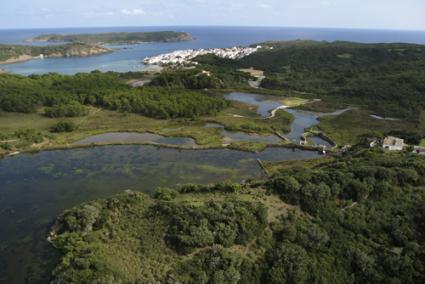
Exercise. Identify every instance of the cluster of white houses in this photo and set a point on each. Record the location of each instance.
(185, 57)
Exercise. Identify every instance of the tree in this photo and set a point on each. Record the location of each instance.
(63, 126)
(287, 264)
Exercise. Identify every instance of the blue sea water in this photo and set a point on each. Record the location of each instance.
(129, 58)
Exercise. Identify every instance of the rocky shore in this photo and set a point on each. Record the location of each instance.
(69, 50)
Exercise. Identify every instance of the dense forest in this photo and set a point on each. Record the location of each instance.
(68, 96)
(356, 219)
(116, 38)
(388, 79)
(204, 77)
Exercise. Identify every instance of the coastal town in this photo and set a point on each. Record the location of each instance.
(185, 57)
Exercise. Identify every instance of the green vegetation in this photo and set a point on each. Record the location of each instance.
(255, 147)
(105, 102)
(63, 126)
(64, 96)
(385, 78)
(21, 138)
(202, 78)
(379, 79)
(71, 109)
(16, 53)
(242, 117)
(153, 232)
(29, 136)
(116, 38)
(382, 79)
(277, 167)
(358, 218)
(353, 126)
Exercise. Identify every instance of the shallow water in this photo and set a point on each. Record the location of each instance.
(35, 188)
(265, 104)
(320, 141)
(132, 137)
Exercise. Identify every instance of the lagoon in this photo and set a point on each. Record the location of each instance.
(35, 188)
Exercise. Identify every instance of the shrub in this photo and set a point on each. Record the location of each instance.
(72, 109)
(29, 135)
(165, 194)
(63, 126)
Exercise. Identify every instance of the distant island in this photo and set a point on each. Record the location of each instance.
(19, 53)
(116, 38)
(80, 45)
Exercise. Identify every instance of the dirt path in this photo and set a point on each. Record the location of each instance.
(273, 112)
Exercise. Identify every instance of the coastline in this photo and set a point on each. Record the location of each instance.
(59, 38)
(20, 59)
(101, 49)
(71, 53)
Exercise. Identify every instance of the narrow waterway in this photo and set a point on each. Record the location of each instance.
(266, 104)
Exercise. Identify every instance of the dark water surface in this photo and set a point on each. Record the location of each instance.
(35, 188)
(132, 137)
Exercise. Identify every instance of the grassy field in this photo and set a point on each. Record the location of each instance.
(422, 143)
(243, 117)
(277, 167)
(295, 102)
(238, 117)
(349, 127)
(322, 106)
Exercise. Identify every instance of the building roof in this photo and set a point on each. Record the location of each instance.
(393, 141)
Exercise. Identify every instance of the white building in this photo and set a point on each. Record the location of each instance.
(393, 143)
(419, 150)
(185, 57)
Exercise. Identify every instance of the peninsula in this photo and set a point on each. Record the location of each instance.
(19, 53)
(80, 45)
(115, 38)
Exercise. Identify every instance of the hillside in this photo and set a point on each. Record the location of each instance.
(358, 219)
(385, 78)
(19, 53)
(116, 38)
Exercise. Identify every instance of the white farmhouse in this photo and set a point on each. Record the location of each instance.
(393, 143)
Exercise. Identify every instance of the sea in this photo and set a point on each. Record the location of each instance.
(130, 57)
